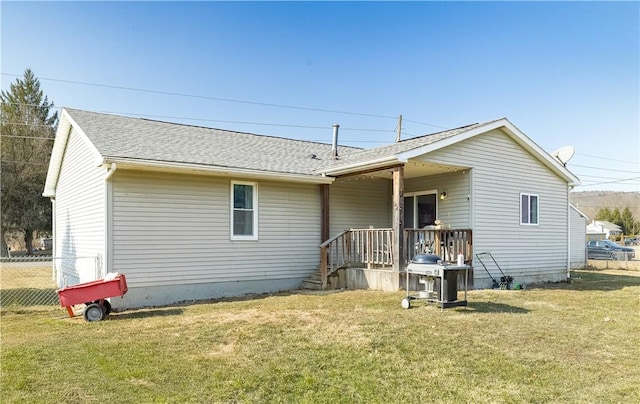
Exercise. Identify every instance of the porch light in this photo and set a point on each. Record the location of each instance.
(443, 195)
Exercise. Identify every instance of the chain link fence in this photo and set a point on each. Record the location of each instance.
(33, 281)
(618, 260)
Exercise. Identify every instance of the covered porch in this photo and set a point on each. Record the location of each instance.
(391, 214)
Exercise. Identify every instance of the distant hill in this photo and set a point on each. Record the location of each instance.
(589, 202)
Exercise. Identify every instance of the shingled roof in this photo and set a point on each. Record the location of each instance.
(163, 145)
(124, 138)
(393, 149)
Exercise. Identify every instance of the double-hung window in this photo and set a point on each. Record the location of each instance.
(244, 210)
(528, 209)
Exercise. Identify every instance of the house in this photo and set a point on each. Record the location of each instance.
(598, 227)
(192, 213)
(578, 237)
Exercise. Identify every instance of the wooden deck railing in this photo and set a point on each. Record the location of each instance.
(367, 247)
(447, 243)
(374, 248)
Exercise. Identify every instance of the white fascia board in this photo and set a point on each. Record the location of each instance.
(515, 133)
(164, 166)
(366, 165)
(55, 161)
(581, 213)
(57, 154)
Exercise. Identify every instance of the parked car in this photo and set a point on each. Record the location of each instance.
(608, 250)
(631, 241)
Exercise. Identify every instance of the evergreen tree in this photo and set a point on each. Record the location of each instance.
(27, 130)
(603, 214)
(629, 225)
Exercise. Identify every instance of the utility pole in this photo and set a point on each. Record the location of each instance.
(399, 128)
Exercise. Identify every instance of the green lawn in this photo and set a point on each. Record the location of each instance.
(577, 342)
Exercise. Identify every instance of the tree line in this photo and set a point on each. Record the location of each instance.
(624, 219)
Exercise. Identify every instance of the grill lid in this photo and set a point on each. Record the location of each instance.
(426, 259)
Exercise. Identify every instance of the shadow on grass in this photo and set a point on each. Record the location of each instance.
(491, 307)
(146, 313)
(588, 280)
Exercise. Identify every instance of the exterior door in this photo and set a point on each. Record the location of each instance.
(420, 210)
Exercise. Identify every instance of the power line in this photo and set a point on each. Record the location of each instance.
(133, 114)
(242, 122)
(608, 159)
(599, 157)
(611, 182)
(424, 123)
(207, 97)
(606, 169)
(26, 124)
(228, 100)
(596, 176)
(24, 162)
(27, 137)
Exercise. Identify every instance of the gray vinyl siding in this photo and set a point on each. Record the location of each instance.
(578, 227)
(171, 229)
(357, 203)
(502, 170)
(79, 213)
(454, 211)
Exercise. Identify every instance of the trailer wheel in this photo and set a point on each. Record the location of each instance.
(106, 306)
(406, 303)
(93, 312)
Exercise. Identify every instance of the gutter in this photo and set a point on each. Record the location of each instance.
(382, 162)
(112, 169)
(221, 171)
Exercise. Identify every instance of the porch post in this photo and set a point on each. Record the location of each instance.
(324, 206)
(398, 218)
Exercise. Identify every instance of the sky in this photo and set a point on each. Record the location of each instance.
(564, 73)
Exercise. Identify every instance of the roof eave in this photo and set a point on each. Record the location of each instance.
(368, 165)
(55, 162)
(59, 145)
(177, 167)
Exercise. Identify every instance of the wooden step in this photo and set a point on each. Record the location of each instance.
(312, 284)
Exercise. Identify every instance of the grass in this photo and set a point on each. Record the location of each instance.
(575, 342)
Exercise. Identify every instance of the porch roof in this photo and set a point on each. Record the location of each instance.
(401, 152)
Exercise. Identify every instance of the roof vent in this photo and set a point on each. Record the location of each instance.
(334, 145)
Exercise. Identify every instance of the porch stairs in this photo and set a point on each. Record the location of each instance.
(335, 280)
(314, 282)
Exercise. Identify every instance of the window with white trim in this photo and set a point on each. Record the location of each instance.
(529, 209)
(244, 210)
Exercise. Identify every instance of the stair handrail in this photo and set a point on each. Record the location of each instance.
(343, 249)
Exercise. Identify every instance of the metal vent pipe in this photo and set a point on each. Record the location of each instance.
(334, 144)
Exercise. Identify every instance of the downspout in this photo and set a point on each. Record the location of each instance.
(54, 244)
(568, 231)
(112, 169)
(108, 231)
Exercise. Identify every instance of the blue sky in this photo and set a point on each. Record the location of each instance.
(565, 73)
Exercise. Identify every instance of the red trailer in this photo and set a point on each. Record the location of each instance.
(93, 295)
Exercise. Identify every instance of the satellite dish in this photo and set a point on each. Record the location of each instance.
(564, 154)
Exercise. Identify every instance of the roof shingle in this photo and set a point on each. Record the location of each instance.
(120, 137)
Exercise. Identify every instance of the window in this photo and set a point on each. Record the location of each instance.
(528, 209)
(244, 211)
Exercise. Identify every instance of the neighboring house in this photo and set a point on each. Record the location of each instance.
(578, 237)
(192, 213)
(601, 226)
